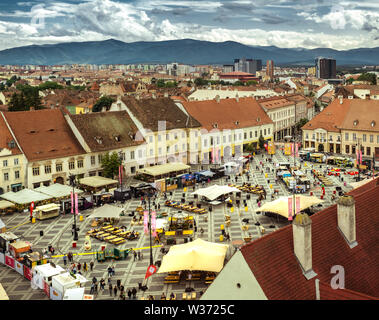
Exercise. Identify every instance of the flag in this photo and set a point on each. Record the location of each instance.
(360, 156)
(297, 150)
(297, 205)
(76, 204)
(31, 208)
(150, 271)
(290, 209)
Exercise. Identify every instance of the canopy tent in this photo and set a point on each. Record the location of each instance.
(25, 196)
(4, 204)
(107, 211)
(97, 181)
(206, 173)
(188, 176)
(163, 169)
(280, 206)
(161, 223)
(58, 190)
(196, 255)
(74, 294)
(213, 192)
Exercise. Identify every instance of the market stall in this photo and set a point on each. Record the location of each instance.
(74, 294)
(7, 206)
(46, 272)
(58, 190)
(196, 255)
(215, 192)
(65, 281)
(46, 211)
(24, 197)
(97, 183)
(163, 171)
(280, 206)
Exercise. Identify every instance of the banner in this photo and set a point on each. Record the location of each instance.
(19, 267)
(360, 157)
(287, 149)
(145, 222)
(2, 258)
(297, 150)
(153, 224)
(31, 208)
(9, 261)
(72, 202)
(76, 204)
(27, 273)
(290, 209)
(271, 147)
(150, 271)
(297, 205)
(46, 288)
(55, 294)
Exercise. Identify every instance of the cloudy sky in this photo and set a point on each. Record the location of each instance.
(283, 23)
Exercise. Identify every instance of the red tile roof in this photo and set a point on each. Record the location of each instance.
(272, 260)
(43, 134)
(6, 137)
(328, 293)
(227, 112)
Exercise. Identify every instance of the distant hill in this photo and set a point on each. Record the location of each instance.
(183, 51)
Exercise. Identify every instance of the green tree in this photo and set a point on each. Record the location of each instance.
(301, 123)
(238, 83)
(49, 85)
(366, 76)
(103, 102)
(200, 82)
(251, 82)
(11, 81)
(110, 165)
(2, 86)
(160, 83)
(27, 98)
(261, 142)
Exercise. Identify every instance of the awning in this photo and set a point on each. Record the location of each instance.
(97, 181)
(58, 190)
(213, 192)
(196, 255)
(74, 294)
(6, 204)
(206, 173)
(107, 211)
(163, 169)
(280, 206)
(25, 196)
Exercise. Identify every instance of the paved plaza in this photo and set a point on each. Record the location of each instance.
(57, 232)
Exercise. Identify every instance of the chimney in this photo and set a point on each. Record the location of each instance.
(166, 94)
(341, 100)
(237, 98)
(346, 219)
(217, 99)
(302, 243)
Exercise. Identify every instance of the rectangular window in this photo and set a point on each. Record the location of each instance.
(139, 154)
(371, 138)
(80, 164)
(256, 134)
(5, 163)
(346, 136)
(131, 155)
(133, 170)
(347, 147)
(48, 169)
(160, 151)
(268, 130)
(368, 151)
(245, 135)
(265, 133)
(151, 152)
(59, 167)
(251, 134)
(15, 161)
(36, 171)
(159, 137)
(364, 138)
(99, 158)
(176, 148)
(183, 135)
(224, 139)
(150, 139)
(167, 136)
(183, 147)
(168, 149)
(17, 174)
(6, 176)
(354, 137)
(71, 165)
(93, 160)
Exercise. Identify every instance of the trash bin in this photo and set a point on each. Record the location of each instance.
(41, 233)
(74, 244)
(221, 238)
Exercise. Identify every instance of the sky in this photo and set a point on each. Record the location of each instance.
(339, 24)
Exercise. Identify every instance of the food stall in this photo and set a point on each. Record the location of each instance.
(122, 194)
(24, 197)
(46, 211)
(64, 281)
(317, 157)
(178, 226)
(74, 294)
(47, 271)
(6, 239)
(19, 249)
(7, 207)
(163, 171)
(138, 190)
(83, 203)
(96, 184)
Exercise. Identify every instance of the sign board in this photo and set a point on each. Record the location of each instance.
(271, 148)
(55, 294)
(9, 261)
(150, 271)
(27, 273)
(2, 258)
(19, 267)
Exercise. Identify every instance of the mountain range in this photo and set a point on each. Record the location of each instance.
(185, 51)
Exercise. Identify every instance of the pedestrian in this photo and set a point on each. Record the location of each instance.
(79, 266)
(64, 259)
(92, 288)
(129, 293)
(110, 289)
(122, 288)
(109, 281)
(69, 256)
(135, 255)
(115, 291)
(113, 271)
(134, 292)
(94, 280)
(119, 284)
(95, 288)
(109, 271)
(91, 265)
(102, 284)
(85, 267)
(139, 255)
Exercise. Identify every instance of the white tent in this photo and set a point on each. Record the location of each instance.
(25, 196)
(196, 255)
(213, 192)
(47, 271)
(58, 190)
(107, 211)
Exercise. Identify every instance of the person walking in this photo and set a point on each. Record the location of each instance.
(91, 265)
(79, 266)
(139, 255)
(135, 255)
(110, 289)
(118, 283)
(64, 259)
(102, 284)
(113, 271)
(134, 292)
(109, 271)
(69, 256)
(85, 267)
(115, 291)
(92, 288)
(129, 293)
(95, 288)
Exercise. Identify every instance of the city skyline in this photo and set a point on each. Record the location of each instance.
(342, 25)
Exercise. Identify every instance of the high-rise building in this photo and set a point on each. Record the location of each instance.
(270, 68)
(325, 68)
(248, 65)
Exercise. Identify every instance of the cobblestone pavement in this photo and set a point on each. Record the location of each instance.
(57, 232)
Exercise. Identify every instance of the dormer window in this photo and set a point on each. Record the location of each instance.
(215, 125)
(117, 138)
(355, 123)
(373, 123)
(237, 123)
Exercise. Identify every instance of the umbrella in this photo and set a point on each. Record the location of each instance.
(196, 255)
(280, 206)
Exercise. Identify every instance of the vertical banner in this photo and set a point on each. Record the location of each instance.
(9, 261)
(153, 223)
(27, 273)
(72, 202)
(297, 205)
(297, 150)
(76, 204)
(46, 288)
(290, 209)
(145, 222)
(360, 157)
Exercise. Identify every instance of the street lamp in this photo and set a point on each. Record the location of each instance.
(120, 169)
(148, 195)
(72, 182)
